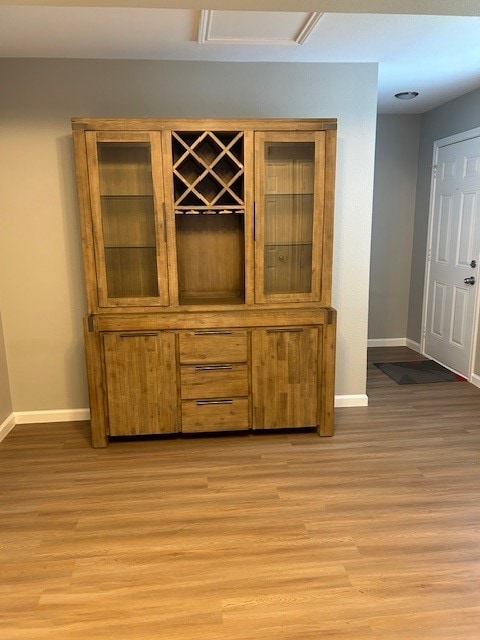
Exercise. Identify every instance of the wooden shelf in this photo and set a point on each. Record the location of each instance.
(209, 211)
(130, 246)
(217, 300)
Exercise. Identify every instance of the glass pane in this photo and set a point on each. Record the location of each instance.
(289, 186)
(131, 272)
(128, 219)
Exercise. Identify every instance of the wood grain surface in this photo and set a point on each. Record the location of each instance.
(373, 534)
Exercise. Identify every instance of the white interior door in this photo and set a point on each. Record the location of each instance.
(453, 256)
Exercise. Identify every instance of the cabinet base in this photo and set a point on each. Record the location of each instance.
(252, 375)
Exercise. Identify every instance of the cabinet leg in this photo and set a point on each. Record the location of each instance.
(327, 394)
(95, 386)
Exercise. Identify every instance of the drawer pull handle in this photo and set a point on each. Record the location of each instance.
(139, 335)
(286, 330)
(213, 332)
(223, 401)
(213, 367)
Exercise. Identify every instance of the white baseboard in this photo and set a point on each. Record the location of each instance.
(6, 426)
(394, 342)
(357, 400)
(475, 380)
(41, 417)
(414, 346)
(73, 415)
(57, 415)
(387, 342)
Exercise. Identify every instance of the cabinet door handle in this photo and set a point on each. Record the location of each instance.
(286, 330)
(213, 367)
(145, 334)
(213, 332)
(223, 401)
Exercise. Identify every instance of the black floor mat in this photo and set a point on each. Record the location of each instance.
(418, 372)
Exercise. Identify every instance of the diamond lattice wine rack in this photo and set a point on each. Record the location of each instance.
(208, 171)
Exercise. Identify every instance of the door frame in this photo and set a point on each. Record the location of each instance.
(437, 145)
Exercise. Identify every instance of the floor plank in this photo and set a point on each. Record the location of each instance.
(370, 535)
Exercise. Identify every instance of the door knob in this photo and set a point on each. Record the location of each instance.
(470, 280)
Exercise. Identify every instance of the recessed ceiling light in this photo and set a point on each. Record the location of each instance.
(406, 95)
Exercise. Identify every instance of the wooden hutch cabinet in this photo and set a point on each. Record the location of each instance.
(207, 250)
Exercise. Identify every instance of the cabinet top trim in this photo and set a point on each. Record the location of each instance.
(154, 124)
(220, 320)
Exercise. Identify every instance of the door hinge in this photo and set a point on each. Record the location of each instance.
(435, 170)
(90, 323)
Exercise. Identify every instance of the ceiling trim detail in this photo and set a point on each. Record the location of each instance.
(310, 24)
(205, 35)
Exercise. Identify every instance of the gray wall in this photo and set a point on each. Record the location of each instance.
(453, 117)
(392, 224)
(5, 396)
(44, 301)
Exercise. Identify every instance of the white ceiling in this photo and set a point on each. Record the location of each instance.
(436, 55)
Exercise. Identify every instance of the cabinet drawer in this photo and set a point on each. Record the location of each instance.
(213, 346)
(226, 414)
(214, 381)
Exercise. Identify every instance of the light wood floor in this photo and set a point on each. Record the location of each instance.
(372, 534)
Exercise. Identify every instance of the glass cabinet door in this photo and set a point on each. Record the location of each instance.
(289, 213)
(130, 249)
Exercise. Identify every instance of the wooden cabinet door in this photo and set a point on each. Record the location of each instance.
(290, 217)
(285, 377)
(140, 371)
(128, 218)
